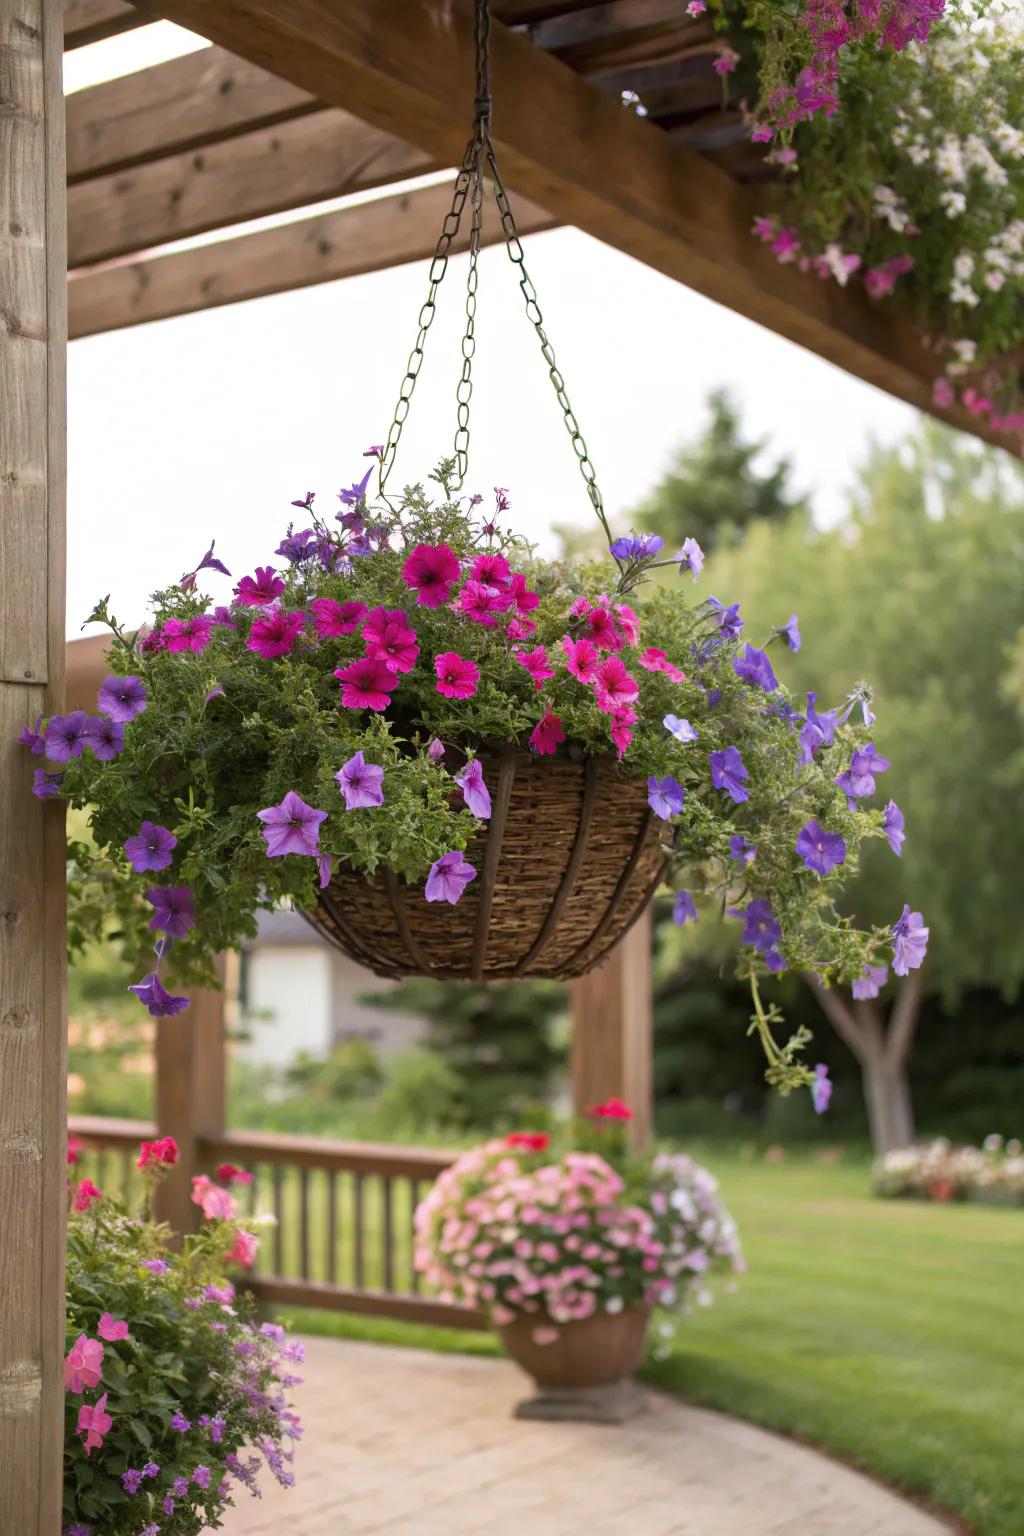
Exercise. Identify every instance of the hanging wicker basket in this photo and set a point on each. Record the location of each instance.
(570, 858)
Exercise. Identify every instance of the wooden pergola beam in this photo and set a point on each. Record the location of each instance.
(571, 148)
(91, 21)
(362, 238)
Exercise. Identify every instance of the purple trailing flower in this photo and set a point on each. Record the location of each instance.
(201, 1477)
(292, 827)
(297, 546)
(821, 851)
(356, 494)
(691, 558)
(46, 785)
(324, 868)
(151, 1469)
(160, 1003)
(760, 927)
(684, 909)
(32, 739)
(122, 698)
(858, 780)
(436, 750)
(818, 730)
(682, 730)
(665, 796)
(64, 737)
(821, 1089)
(474, 790)
(149, 851)
(207, 563)
(131, 1481)
(728, 771)
(892, 826)
(870, 982)
(790, 633)
(728, 618)
(743, 852)
(637, 546)
(182, 1425)
(774, 959)
(448, 878)
(754, 667)
(104, 737)
(909, 942)
(174, 909)
(360, 782)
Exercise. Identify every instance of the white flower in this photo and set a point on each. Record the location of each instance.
(963, 293)
(953, 202)
(966, 350)
(613, 1304)
(963, 266)
(995, 280)
(919, 152)
(949, 160)
(994, 257)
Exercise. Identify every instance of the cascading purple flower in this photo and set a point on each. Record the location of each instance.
(174, 909)
(474, 791)
(104, 737)
(754, 667)
(682, 730)
(33, 739)
(892, 826)
(149, 851)
(820, 850)
(292, 827)
(909, 942)
(790, 633)
(858, 781)
(728, 772)
(65, 736)
(743, 852)
(727, 618)
(122, 698)
(46, 785)
(207, 563)
(870, 982)
(637, 546)
(448, 878)
(684, 909)
(360, 782)
(160, 1003)
(760, 926)
(818, 730)
(691, 558)
(821, 1089)
(665, 796)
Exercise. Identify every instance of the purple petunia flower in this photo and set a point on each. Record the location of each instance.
(207, 563)
(46, 785)
(122, 698)
(78, 1529)
(174, 909)
(892, 826)
(297, 546)
(858, 780)
(818, 730)
(910, 941)
(774, 959)
(728, 618)
(665, 796)
(682, 730)
(356, 493)
(728, 772)
(160, 1003)
(821, 851)
(760, 927)
(360, 782)
(821, 1089)
(743, 852)
(448, 878)
(149, 851)
(474, 790)
(292, 827)
(684, 909)
(104, 737)
(131, 1481)
(754, 667)
(790, 633)
(637, 546)
(691, 558)
(64, 737)
(32, 739)
(870, 983)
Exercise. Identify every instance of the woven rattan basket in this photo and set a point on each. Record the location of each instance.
(568, 861)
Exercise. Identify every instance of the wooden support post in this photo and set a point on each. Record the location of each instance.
(612, 1030)
(33, 1015)
(190, 1097)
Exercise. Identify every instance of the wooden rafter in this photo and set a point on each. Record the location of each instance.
(353, 240)
(568, 146)
(91, 21)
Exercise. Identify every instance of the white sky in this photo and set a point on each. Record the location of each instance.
(208, 425)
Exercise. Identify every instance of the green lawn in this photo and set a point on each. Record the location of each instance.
(890, 1333)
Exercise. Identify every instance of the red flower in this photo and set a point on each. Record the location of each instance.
(86, 1194)
(529, 1141)
(161, 1153)
(611, 1109)
(75, 1145)
(432, 569)
(366, 684)
(228, 1173)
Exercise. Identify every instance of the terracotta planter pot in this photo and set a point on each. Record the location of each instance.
(595, 1352)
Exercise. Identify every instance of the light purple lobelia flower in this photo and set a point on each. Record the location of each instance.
(474, 790)
(665, 796)
(858, 780)
(448, 878)
(360, 782)
(682, 730)
(149, 851)
(64, 737)
(174, 909)
(691, 558)
(292, 827)
(728, 772)
(870, 982)
(104, 737)
(122, 698)
(821, 1089)
(909, 942)
(684, 909)
(754, 667)
(821, 851)
(160, 1003)
(790, 633)
(892, 826)
(743, 852)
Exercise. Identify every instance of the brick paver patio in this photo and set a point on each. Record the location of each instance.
(416, 1444)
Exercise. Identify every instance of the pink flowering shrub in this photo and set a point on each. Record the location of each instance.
(511, 1227)
(177, 1397)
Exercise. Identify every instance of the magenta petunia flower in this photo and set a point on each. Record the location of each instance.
(104, 737)
(483, 603)
(491, 570)
(122, 698)
(222, 618)
(521, 629)
(448, 878)
(547, 733)
(821, 851)
(621, 728)
(581, 658)
(523, 599)
(537, 664)
(333, 619)
(360, 782)
(909, 942)
(655, 660)
(149, 851)
(474, 790)
(665, 796)
(263, 588)
(274, 634)
(174, 909)
(628, 622)
(179, 635)
(366, 684)
(64, 737)
(160, 1003)
(390, 639)
(292, 827)
(728, 772)
(613, 684)
(432, 569)
(457, 678)
(602, 629)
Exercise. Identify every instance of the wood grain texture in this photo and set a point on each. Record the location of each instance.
(613, 1031)
(33, 1027)
(190, 1098)
(90, 21)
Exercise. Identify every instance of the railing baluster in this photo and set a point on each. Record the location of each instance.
(414, 1200)
(278, 1175)
(357, 1196)
(304, 1223)
(101, 1167)
(332, 1227)
(387, 1187)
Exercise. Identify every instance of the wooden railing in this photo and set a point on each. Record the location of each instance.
(343, 1233)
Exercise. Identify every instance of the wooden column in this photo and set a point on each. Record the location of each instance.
(612, 1030)
(190, 1097)
(33, 1024)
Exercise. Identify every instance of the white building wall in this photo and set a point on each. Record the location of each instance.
(288, 1003)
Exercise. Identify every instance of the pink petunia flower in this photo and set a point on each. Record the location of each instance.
(366, 684)
(448, 878)
(215, 1203)
(432, 569)
(291, 827)
(86, 1195)
(83, 1364)
(602, 630)
(333, 619)
(521, 629)
(614, 685)
(655, 660)
(112, 1328)
(244, 1249)
(525, 601)
(261, 589)
(230, 1173)
(162, 1152)
(482, 602)
(621, 728)
(547, 733)
(537, 664)
(193, 634)
(474, 791)
(457, 678)
(93, 1423)
(492, 570)
(389, 639)
(274, 634)
(629, 623)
